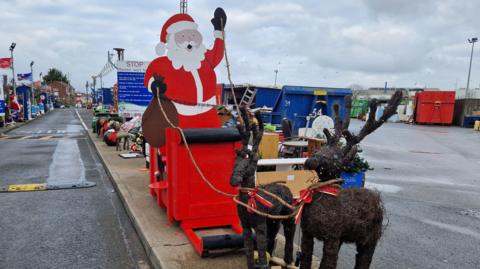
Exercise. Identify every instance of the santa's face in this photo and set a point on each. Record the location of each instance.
(185, 49)
(188, 39)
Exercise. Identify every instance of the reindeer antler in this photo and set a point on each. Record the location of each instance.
(339, 124)
(348, 108)
(372, 124)
(244, 128)
(257, 132)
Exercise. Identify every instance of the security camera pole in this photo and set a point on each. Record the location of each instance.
(472, 41)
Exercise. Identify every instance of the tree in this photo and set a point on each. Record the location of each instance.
(55, 75)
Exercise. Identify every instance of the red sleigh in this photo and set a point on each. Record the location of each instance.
(186, 197)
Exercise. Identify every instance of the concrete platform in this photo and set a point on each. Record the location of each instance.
(166, 245)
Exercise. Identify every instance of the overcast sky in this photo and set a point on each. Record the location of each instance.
(319, 43)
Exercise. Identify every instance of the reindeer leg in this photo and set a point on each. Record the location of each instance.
(261, 232)
(330, 254)
(248, 243)
(272, 229)
(364, 256)
(307, 250)
(289, 232)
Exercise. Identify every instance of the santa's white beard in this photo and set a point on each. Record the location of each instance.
(188, 59)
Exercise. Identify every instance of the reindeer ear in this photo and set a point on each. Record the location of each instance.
(373, 104)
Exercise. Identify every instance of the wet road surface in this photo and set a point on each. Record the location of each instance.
(75, 228)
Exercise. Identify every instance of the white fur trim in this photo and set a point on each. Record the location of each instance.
(150, 81)
(198, 85)
(180, 26)
(160, 49)
(218, 34)
(189, 110)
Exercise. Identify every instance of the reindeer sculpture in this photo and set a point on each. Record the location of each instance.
(244, 175)
(351, 215)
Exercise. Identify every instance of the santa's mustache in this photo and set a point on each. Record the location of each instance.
(188, 45)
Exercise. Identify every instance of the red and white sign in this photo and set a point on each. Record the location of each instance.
(5, 62)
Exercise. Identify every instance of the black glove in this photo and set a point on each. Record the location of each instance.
(158, 86)
(219, 17)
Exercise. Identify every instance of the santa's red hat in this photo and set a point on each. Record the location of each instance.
(174, 24)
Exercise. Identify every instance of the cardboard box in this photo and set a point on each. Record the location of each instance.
(296, 180)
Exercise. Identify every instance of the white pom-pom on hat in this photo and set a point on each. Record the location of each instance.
(160, 49)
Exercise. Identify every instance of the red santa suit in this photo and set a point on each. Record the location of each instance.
(186, 89)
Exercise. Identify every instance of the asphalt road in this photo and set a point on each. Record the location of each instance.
(429, 177)
(76, 228)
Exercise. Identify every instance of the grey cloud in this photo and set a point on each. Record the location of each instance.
(317, 43)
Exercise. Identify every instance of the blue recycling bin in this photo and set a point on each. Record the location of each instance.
(297, 102)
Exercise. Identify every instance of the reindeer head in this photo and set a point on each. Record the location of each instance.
(246, 161)
(332, 159)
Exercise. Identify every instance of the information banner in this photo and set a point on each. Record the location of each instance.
(2, 108)
(133, 97)
(2, 103)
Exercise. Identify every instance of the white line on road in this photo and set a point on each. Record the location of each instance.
(49, 131)
(452, 228)
(67, 165)
(383, 187)
(81, 121)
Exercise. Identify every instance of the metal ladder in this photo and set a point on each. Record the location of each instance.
(248, 97)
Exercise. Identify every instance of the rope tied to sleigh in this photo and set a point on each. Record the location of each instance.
(296, 208)
(253, 192)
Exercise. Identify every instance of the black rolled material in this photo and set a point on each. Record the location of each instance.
(224, 241)
(211, 135)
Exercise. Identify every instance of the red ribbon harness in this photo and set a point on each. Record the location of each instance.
(253, 198)
(306, 197)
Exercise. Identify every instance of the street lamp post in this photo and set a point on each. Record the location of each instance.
(472, 41)
(31, 85)
(12, 47)
(86, 93)
(94, 97)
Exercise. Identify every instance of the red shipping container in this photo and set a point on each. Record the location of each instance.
(434, 107)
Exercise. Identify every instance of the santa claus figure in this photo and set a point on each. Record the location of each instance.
(185, 74)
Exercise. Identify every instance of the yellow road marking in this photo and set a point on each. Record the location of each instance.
(27, 187)
(46, 137)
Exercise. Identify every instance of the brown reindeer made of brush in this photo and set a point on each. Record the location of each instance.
(347, 215)
(265, 228)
